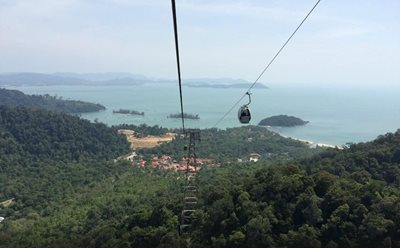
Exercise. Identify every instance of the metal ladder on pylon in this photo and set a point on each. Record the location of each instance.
(190, 199)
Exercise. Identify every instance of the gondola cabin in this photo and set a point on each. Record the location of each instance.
(244, 115)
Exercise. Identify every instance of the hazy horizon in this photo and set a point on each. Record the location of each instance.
(104, 76)
(342, 43)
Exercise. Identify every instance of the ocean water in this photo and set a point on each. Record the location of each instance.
(336, 115)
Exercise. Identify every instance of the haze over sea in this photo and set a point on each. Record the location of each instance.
(336, 115)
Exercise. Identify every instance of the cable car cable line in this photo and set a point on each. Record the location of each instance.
(178, 61)
(190, 198)
(268, 65)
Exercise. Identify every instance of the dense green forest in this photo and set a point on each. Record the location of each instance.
(39, 134)
(52, 103)
(282, 121)
(338, 198)
(335, 198)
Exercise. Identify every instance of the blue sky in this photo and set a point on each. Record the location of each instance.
(343, 43)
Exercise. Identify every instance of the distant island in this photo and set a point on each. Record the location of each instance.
(112, 79)
(127, 112)
(185, 116)
(282, 121)
(13, 98)
(226, 86)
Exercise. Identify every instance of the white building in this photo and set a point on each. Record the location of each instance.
(254, 157)
(1, 219)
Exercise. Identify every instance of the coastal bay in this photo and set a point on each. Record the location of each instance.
(337, 115)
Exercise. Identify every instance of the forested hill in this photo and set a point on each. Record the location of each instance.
(47, 158)
(378, 159)
(42, 134)
(52, 103)
(339, 198)
(282, 121)
(232, 144)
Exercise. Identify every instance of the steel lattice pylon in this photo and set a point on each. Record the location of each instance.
(190, 199)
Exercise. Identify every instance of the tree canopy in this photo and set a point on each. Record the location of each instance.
(236, 143)
(40, 134)
(52, 103)
(282, 121)
(335, 198)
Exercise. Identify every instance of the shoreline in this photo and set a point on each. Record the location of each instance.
(310, 143)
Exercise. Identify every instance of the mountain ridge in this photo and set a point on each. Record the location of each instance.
(112, 78)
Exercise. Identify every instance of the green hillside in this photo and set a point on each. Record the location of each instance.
(335, 198)
(45, 155)
(47, 102)
(333, 201)
(282, 121)
(237, 143)
(46, 135)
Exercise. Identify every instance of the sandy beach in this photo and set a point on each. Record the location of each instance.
(312, 144)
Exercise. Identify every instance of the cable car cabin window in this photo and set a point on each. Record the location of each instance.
(244, 115)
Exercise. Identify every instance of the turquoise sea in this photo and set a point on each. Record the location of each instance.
(337, 115)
